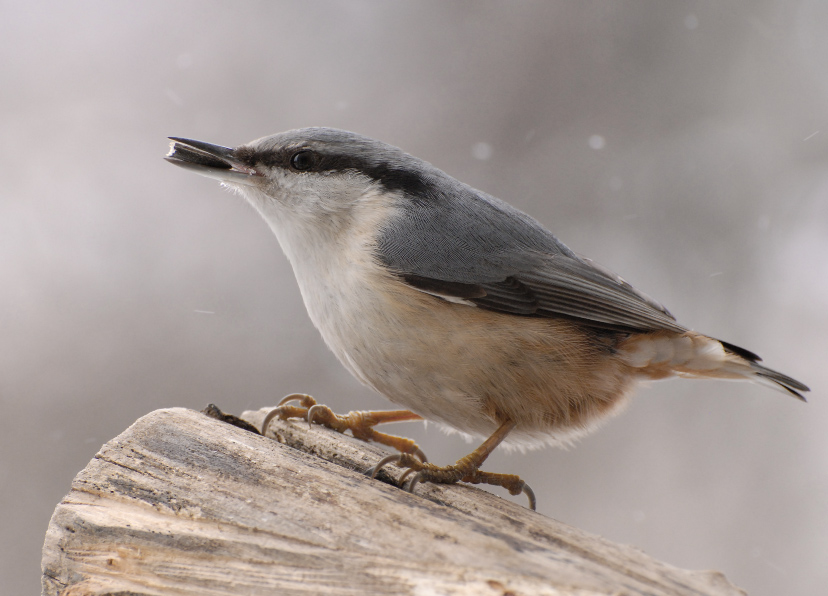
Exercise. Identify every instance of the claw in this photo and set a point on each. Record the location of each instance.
(300, 397)
(419, 453)
(304, 399)
(531, 494)
(312, 411)
(266, 422)
(414, 481)
(405, 475)
(382, 463)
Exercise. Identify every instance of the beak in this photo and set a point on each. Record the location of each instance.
(213, 161)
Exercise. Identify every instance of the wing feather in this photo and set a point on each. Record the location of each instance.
(468, 247)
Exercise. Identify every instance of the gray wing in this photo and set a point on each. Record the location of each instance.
(468, 246)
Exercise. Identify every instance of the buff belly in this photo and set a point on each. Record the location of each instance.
(473, 369)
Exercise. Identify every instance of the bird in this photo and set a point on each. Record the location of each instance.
(454, 304)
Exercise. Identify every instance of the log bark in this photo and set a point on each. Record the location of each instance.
(181, 503)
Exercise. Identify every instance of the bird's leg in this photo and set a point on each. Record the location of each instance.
(466, 469)
(360, 423)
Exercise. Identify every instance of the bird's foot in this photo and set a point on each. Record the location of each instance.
(466, 469)
(360, 423)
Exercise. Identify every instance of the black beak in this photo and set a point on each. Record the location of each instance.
(213, 161)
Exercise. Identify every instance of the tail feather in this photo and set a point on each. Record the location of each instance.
(746, 354)
(776, 380)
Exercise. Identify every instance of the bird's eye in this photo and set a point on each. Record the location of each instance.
(303, 160)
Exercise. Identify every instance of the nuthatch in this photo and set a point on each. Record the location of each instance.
(454, 304)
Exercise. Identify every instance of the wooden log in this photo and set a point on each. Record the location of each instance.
(181, 503)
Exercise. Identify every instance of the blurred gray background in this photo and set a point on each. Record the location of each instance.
(683, 145)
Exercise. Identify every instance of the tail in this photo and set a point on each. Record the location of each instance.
(766, 376)
(664, 354)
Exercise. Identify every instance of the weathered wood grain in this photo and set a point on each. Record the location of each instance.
(180, 503)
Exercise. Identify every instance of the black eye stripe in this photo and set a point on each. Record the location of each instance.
(303, 159)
